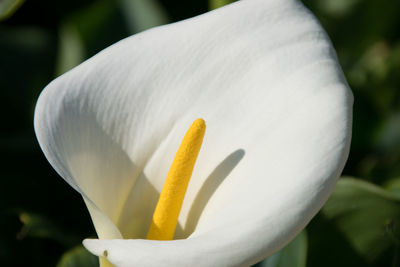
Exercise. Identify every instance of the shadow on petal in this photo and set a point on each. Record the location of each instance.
(207, 190)
(138, 210)
(98, 166)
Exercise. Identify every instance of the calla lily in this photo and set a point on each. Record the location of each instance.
(265, 78)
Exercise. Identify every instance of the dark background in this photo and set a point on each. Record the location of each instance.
(42, 218)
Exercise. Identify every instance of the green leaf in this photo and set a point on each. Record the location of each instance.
(38, 226)
(338, 8)
(393, 186)
(71, 49)
(94, 27)
(367, 215)
(78, 257)
(8, 7)
(213, 4)
(293, 255)
(141, 15)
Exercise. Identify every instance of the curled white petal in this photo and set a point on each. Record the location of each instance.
(263, 75)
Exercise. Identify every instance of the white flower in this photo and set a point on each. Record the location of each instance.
(265, 78)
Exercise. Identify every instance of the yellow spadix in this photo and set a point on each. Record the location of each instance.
(165, 217)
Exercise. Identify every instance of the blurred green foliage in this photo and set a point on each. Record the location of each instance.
(293, 255)
(76, 257)
(361, 219)
(44, 221)
(8, 7)
(213, 4)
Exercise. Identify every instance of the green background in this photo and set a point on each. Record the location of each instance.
(43, 220)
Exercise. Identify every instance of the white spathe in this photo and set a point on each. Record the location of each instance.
(265, 78)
